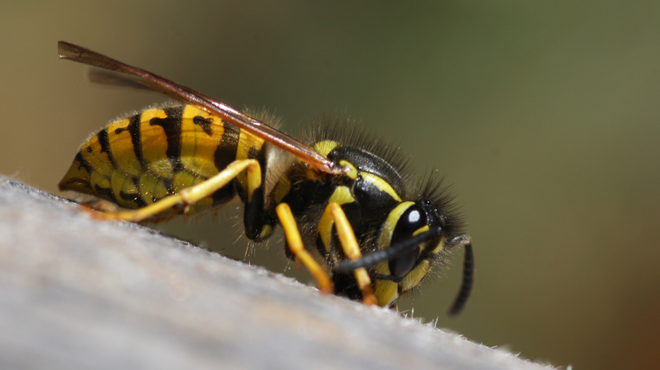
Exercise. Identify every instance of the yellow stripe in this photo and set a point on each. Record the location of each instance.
(122, 183)
(122, 149)
(197, 146)
(390, 224)
(98, 180)
(99, 161)
(341, 195)
(154, 144)
(381, 184)
(245, 142)
(152, 187)
(325, 147)
(184, 179)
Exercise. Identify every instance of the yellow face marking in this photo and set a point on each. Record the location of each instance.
(383, 268)
(154, 144)
(99, 161)
(201, 134)
(349, 169)
(122, 149)
(386, 292)
(325, 147)
(341, 195)
(381, 184)
(439, 247)
(422, 229)
(390, 224)
(415, 276)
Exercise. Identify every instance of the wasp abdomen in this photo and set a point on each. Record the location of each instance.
(140, 159)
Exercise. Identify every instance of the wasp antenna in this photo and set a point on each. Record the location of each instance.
(468, 276)
(372, 259)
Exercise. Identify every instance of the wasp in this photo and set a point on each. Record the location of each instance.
(349, 211)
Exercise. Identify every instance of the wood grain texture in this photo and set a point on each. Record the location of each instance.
(78, 293)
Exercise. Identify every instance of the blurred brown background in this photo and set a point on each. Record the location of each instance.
(543, 116)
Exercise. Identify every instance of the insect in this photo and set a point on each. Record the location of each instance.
(349, 212)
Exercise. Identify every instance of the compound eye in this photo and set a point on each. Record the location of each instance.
(410, 221)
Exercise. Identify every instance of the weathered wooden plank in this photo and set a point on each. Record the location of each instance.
(78, 293)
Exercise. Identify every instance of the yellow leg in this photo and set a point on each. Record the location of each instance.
(298, 249)
(352, 251)
(191, 195)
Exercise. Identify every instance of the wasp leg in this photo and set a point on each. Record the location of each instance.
(296, 246)
(352, 250)
(191, 195)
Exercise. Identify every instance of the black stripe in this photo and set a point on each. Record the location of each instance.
(253, 152)
(169, 185)
(133, 197)
(225, 153)
(138, 197)
(134, 130)
(105, 193)
(171, 124)
(83, 162)
(204, 123)
(105, 145)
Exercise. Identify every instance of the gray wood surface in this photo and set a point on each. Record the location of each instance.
(77, 293)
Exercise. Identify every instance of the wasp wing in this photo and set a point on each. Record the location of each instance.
(109, 78)
(283, 141)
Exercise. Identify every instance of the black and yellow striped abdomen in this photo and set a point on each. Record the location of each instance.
(145, 157)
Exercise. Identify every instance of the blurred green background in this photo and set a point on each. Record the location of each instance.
(544, 116)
